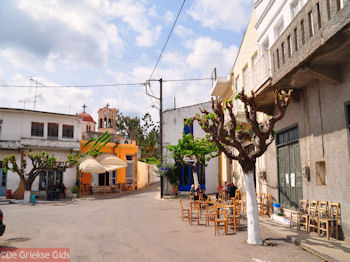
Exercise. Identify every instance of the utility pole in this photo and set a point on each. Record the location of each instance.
(160, 98)
(161, 130)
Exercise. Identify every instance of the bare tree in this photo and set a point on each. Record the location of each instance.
(234, 135)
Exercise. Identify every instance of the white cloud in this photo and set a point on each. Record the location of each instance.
(207, 54)
(183, 32)
(60, 100)
(134, 13)
(169, 17)
(229, 15)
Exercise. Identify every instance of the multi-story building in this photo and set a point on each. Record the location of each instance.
(250, 71)
(173, 128)
(22, 131)
(309, 50)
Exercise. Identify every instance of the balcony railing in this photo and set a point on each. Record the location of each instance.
(258, 75)
(313, 26)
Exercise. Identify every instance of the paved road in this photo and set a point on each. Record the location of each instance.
(133, 227)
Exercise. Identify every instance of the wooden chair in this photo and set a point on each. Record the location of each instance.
(191, 196)
(194, 212)
(313, 216)
(220, 221)
(184, 211)
(230, 215)
(211, 213)
(303, 215)
(235, 218)
(262, 203)
(269, 205)
(330, 223)
(238, 194)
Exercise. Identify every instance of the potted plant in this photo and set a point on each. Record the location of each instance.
(74, 191)
(169, 171)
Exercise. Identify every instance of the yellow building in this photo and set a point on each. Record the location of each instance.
(249, 72)
(125, 149)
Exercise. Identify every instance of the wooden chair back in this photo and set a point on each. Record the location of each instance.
(312, 210)
(237, 194)
(322, 209)
(303, 206)
(334, 210)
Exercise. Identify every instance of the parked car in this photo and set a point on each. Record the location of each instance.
(2, 226)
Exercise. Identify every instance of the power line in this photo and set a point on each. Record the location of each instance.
(166, 42)
(106, 85)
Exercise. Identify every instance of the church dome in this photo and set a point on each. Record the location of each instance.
(86, 117)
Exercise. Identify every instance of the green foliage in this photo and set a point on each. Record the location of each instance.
(74, 190)
(150, 160)
(237, 96)
(45, 161)
(200, 148)
(144, 131)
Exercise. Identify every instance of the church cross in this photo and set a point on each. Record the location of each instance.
(84, 106)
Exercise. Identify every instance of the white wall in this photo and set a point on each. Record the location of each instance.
(16, 126)
(269, 15)
(173, 125)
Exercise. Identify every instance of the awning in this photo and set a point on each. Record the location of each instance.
(109, 160)
(91, 165)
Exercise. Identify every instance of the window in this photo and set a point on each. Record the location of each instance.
(188, 129)
(320, 173)
(279, 28)
(52, 130)
(0, 126)
(289, 135)
(238, 84)
(282, 52)
(3, 175)
(245, 77)
(254, 60)
(47, 179)
(68, 131)
(37, 129)
(295, 8)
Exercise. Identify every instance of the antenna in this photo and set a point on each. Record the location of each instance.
(28, 100)
(36, 89)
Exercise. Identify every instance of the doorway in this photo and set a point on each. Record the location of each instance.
(289, 168)
(185, 173)
(3, 180)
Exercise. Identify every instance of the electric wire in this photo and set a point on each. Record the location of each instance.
(104, 85)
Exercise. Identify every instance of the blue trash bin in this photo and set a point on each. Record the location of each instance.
(32, 199)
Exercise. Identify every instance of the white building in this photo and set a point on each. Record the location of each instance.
(22, 131)
(173, 127)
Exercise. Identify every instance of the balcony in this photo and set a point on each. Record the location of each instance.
(258, 75)
(314, 45)
(222, 87)
(40, 143)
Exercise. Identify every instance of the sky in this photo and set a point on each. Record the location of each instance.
(77, 43)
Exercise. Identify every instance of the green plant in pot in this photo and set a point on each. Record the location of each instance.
(169, 171)
(74, 191)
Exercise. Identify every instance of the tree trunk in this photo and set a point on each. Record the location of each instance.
(252, 211)
(195, 178)
(27, 196)
(19, 192)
